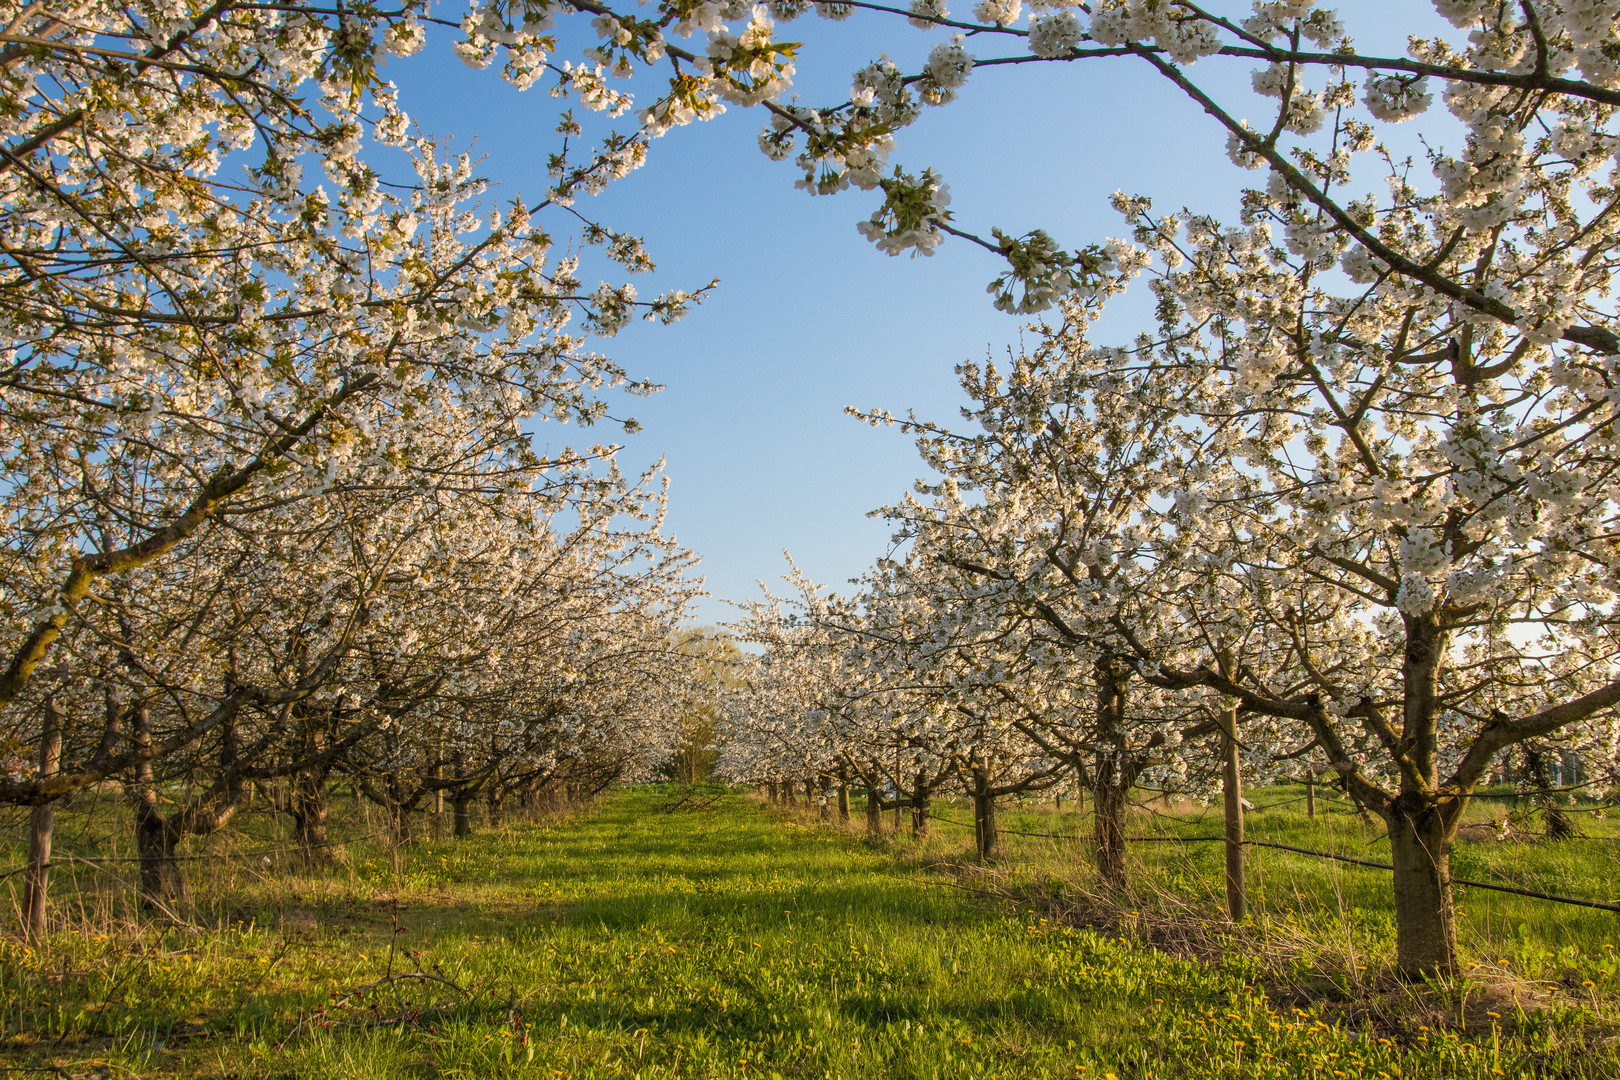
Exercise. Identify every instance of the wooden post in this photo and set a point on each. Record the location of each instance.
(438, 794)
(36, 882)
(1310, 794)
(1237, 903)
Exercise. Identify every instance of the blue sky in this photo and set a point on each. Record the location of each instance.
(809, 317)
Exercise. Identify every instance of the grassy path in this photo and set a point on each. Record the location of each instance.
(729, 943)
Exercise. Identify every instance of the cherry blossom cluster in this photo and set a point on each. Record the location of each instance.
(273, 511)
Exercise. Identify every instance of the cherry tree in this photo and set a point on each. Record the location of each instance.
(781, 727)
(1436, 468)
(203, 340)
(1407, 392)
(237, 342)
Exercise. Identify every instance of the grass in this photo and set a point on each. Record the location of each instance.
(1497, 929)
(743, 941)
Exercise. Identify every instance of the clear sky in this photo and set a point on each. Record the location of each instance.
(809, 317)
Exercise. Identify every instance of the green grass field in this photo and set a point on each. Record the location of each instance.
(744, 941)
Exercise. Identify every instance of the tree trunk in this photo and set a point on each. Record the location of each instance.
(920, 803)
(986, 835)
(399, 823)
(163, 884)
(809, 792)
(874, 812)
(825, 804)
(1425, 916)
(399, 808)
(770, 791)
(843, 795)
(307, 797)
(1237, 902)
(1112, 777)
(461, 809)
(41, 826)
(495, 803)
(787, 793)
(1419, 838)
(1557, 822)
(461, 800)
(310, 809)
(1108, 831)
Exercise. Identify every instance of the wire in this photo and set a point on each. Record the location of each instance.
(1533, 894)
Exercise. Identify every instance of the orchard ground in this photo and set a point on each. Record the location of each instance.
(651, 936)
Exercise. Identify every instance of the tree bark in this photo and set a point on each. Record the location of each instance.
(1419, 837)
(843, 794)
(1554, 819)
(400, 808)
(307, 797)
(163, 884)
(310, 809)
(874, 812)
(461, 801)
(163, 881)
(1108, 831)
(41, 827)
(1112, 776)
(1237, 902)
(1425, 916)
(770, 791)
(986, 835)
(920, 802)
